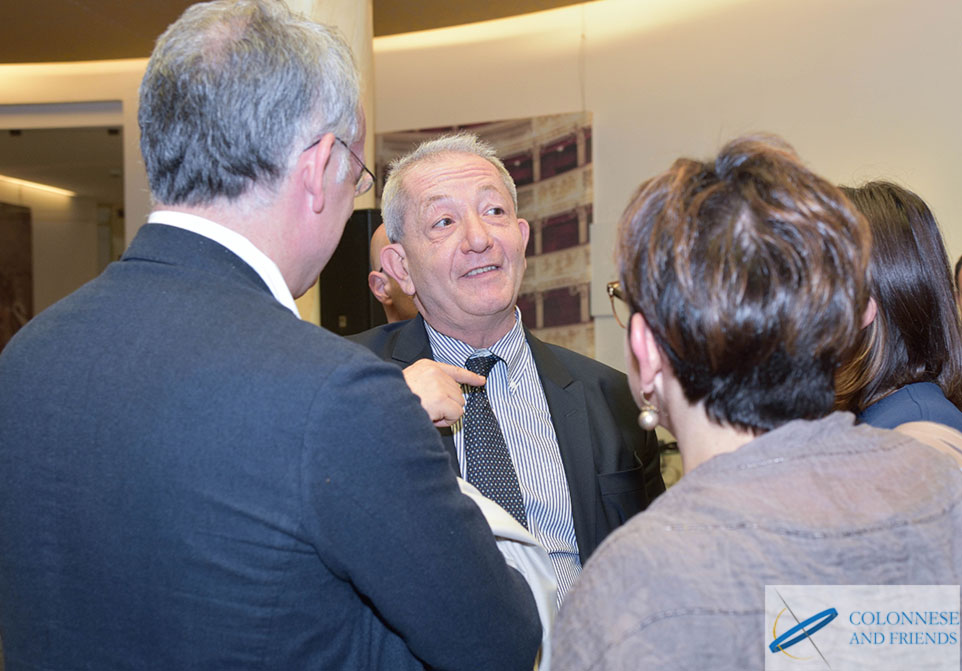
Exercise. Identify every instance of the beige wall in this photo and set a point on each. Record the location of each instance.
(864, 89)
(54, 96)
(66, 250)
(64, 241)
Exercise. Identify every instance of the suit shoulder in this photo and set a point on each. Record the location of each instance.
(376, 337)
(401, 343)
(298, 346)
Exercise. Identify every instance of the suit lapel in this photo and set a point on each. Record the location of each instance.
(569, 414)
(411, 345)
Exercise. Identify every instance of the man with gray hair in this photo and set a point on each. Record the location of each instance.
(553, 436)
(191, 475)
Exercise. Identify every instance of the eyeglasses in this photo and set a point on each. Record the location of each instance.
(365, 180)
(619, 304)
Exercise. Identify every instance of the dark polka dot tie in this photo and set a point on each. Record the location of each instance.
(489, 466)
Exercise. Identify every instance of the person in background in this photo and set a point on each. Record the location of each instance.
(194, 477)
(746, 279)
(908, 364)
(397, 305)
(570, 461)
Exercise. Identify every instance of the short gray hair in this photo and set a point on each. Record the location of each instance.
(395, 200)
(233, 92)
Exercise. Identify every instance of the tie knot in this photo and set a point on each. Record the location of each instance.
(481, 365)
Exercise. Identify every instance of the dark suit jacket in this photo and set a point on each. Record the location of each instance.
(193, 478)
(612, 466)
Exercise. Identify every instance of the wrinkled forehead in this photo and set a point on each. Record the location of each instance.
(454, 180)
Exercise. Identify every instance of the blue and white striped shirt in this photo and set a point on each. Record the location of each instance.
(518, 401)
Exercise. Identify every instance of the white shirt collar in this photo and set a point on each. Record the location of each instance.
(235, 242)
(509, 348)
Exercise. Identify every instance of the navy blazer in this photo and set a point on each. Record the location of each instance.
(194, 478)
(612, 466)
(916, 402)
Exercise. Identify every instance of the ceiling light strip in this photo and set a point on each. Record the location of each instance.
(35, 185)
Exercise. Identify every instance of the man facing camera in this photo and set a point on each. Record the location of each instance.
(194, 477)
(552, 435)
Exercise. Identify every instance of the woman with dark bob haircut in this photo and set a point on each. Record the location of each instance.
(746, 279)
(908, 366)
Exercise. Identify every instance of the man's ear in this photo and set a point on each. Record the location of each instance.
(525, 234)
(313, 165)
(871, 311)
(378, 283)
(646, 352)
(394, 263)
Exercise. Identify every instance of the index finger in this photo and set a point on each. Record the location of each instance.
(462, 375)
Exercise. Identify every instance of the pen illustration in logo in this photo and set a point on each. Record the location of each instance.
(802, 630)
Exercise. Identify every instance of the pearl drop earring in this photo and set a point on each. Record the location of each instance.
(648, 417)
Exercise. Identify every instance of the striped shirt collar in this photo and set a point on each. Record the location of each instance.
(510, 349)
(238, 244)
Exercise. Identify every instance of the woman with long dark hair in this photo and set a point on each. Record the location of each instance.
(908, 365)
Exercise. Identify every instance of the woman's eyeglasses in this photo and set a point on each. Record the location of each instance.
(619, 304)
